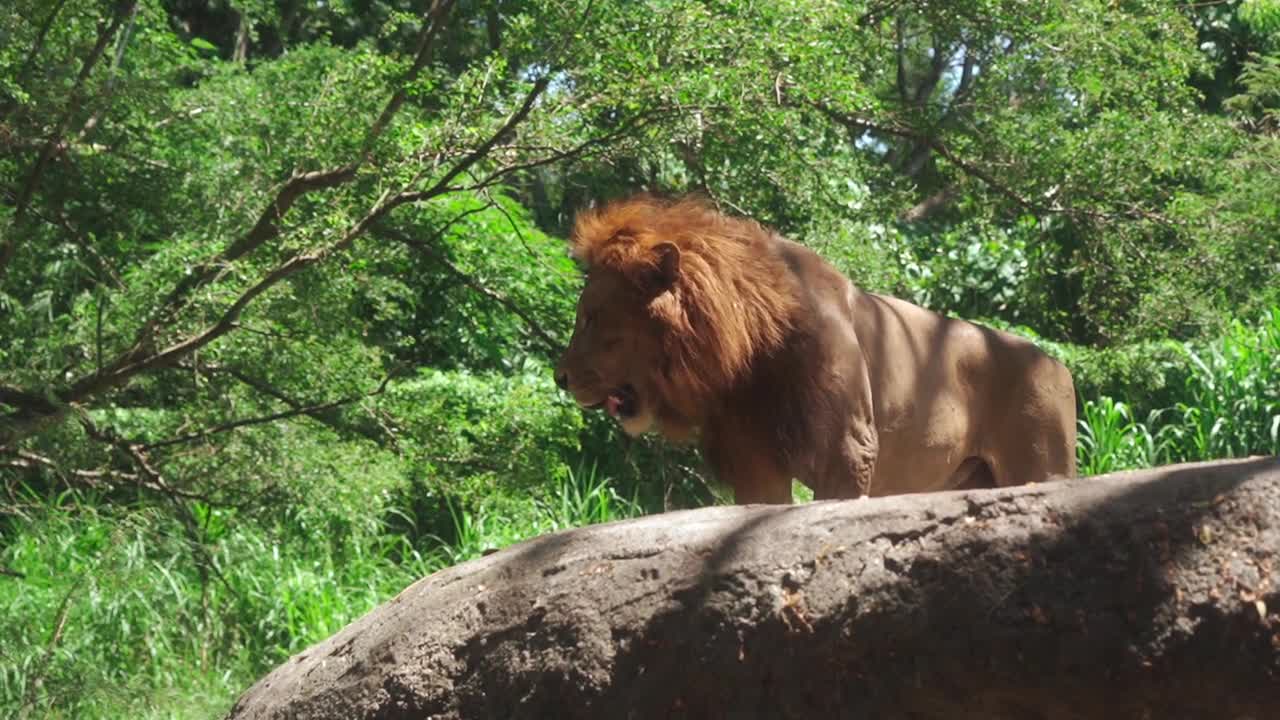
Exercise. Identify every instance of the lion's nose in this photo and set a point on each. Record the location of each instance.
(562, 379)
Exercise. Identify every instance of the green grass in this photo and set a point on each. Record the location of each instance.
(119, 613)
(1232, 408)
(106, 622)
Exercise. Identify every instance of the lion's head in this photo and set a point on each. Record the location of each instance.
(678, 298)
(615, 355)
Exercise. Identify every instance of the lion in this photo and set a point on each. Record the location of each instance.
(703, 325)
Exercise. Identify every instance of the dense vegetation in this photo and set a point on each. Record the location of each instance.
(281, 282)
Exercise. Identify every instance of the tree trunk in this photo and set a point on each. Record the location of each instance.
(1151, 594)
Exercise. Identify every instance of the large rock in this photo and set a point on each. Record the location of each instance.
(1141, 595)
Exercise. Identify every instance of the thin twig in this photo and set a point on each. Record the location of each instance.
(261, 420)
(552, 345)
(105, 32)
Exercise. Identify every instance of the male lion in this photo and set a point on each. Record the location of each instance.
(703, 324)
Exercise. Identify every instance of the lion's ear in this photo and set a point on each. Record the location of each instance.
(668, 265)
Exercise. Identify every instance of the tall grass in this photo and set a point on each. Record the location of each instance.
(586, 498)
(106, 623)
(1232, 408)
(129, 612)
(1111, 439)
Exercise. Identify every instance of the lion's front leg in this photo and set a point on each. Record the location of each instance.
(758, 487)
(751, 469)
(853, 463)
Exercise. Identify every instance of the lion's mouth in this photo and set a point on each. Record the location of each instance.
(621, 404)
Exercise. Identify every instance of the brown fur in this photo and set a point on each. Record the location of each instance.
(725, 330)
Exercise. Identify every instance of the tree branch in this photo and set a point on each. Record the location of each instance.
(25, 401)
(141, 357)
(299, 184)
(93, 479)
(9, 243)
(324, 416)
(38, 46)
(108, 89)
(441, 185)
(857, 125)
(928, 83)
(497, 176)
(901, 50)
(261, 420)
(552, 346)
(422, 55)
(150, 477)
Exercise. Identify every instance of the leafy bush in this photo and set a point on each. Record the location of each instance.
(470, 435)
(1110, 439)
(1233, 395)
(973, 269)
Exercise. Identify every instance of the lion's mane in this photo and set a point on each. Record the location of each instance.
(732, 299)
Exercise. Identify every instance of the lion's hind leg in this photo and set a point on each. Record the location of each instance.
(1046, 453)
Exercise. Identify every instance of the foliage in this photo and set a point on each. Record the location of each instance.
(281, 283)
(467, 437)
(1110, 439)
(110, 620)
(1232, 408)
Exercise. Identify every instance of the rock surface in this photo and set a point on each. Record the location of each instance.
(1152, 594)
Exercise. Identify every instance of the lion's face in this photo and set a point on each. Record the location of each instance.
(614, 353)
